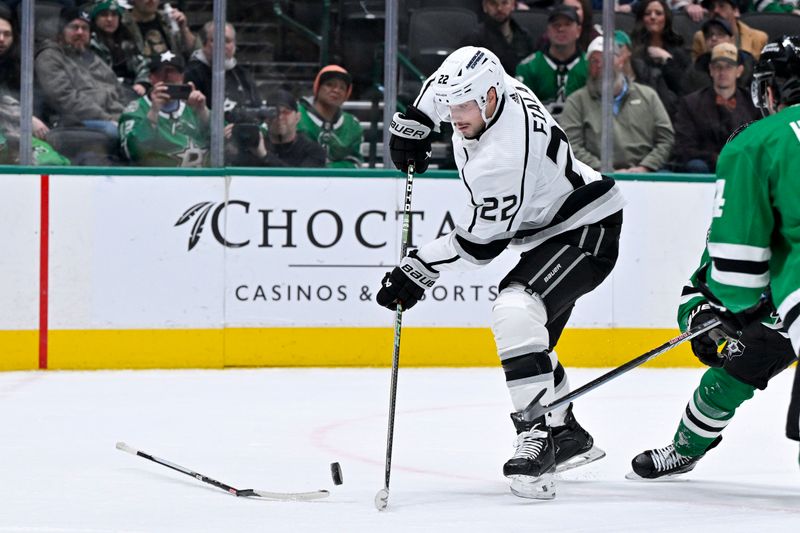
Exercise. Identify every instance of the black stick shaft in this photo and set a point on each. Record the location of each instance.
(398, 323)
(178, 468)
(535, 409)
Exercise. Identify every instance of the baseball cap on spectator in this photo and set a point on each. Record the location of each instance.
(68, 14)
(597, 46)
(166, 58)
(105, 5)
(716, 21)
(622, 39)
(725, 52)
(283, 98)
(331, 72)
(562, 10)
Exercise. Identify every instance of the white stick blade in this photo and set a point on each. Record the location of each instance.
(125, 448)
(292, 496)
(382, 499)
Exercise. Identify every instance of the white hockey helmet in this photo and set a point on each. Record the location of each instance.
(467, 74)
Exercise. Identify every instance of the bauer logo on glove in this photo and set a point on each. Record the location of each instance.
(403, 129)
(417, 275)
(410, 141)
(406, 284)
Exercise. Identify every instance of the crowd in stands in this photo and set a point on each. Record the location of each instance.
(130, 82)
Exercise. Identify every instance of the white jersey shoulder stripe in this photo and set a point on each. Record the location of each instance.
(789, 302)
(741, 252)
(737, 279)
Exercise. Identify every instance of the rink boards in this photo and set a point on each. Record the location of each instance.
(204, 271)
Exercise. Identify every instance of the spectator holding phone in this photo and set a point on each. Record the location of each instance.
(169, 126)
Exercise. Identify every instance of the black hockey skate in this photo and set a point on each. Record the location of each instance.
(532, 467)
(574, 445)
(664, 463)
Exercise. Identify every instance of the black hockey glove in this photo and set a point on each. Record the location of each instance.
(410, 141)
(406, 283)
(706, 345)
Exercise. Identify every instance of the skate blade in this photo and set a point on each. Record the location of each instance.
(589, 456)
(534, 488)
(633, 476)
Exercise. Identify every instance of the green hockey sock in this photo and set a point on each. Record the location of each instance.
(712, 406)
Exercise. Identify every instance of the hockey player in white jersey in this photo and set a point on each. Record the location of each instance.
(529, 193)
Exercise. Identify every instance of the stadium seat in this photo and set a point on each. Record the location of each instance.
(622, 21)
(433, 33)
(534, 21)
(685, 27)
(775, 24)
(469, 5)
(46, 15)
(81, 145)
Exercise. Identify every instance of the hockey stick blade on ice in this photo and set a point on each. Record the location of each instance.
(247, 493)
(382, 496)
(535, 409)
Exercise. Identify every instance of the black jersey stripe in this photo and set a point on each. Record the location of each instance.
(494, 119)
(483, 251)
(444, 261)
(521, 197)
(689, 290)
(791, 316)
(702, 425)
(471, 196)
(422, 92)
(577, 200)
(741, 266)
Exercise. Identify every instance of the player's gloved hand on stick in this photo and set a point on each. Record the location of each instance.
(706, 345)
(406, 283)
(734, 323)
(410, 140)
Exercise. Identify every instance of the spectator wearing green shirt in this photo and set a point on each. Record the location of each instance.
(159, 130)
(322, 118)
(559, 69)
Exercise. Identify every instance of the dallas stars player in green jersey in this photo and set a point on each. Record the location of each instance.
(752, 256)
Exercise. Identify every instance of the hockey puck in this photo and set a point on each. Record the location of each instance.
(336, 473)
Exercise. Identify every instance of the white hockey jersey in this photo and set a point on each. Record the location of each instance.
(524, 182)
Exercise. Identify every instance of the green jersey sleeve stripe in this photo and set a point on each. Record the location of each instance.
(736, 279)
(792, 325)
(742, 267)
(686, 298)
(742, 252)
(791, 301)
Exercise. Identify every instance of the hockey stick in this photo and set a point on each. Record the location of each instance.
(287, 496)
(535, 409)
(382, 497)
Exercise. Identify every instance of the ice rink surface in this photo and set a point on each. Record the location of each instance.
(279, 430)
